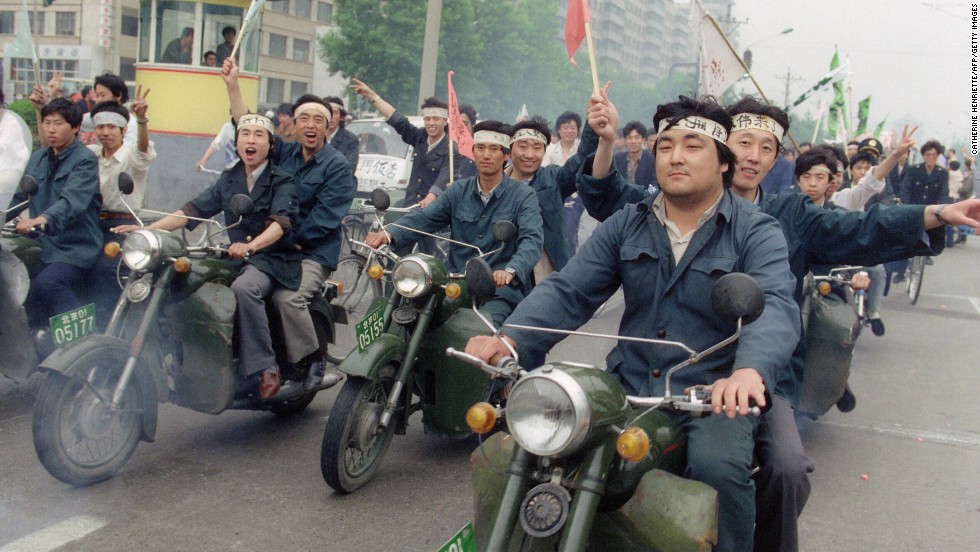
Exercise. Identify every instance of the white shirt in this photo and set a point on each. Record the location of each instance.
(679, 242)
(554, 155)
(855, 197)
(128, 158)
(225, 141)
(15, 150)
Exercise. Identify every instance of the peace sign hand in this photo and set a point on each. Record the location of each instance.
(139, 102)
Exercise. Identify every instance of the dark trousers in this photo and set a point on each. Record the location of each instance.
(52, 292)
(782, 484)
(255, 351)
(108, 271)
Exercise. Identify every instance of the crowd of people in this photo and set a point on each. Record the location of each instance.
(701, 193)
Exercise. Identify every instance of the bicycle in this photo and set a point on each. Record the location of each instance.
(914, 273)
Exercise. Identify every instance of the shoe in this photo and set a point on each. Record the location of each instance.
(269, 382)
(898, 279)
(929, 261)
(847, 402)
(877, 327)
(961, 239)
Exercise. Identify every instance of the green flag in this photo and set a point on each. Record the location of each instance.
(836, 106)
(863, 107)
(23, 45)
(880, 127)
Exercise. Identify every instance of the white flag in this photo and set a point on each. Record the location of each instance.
(523, 114)
(719, 66)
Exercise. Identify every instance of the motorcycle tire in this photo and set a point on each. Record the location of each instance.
(77, 439)
(358, 295)
(299, 404)
(351, 453)
(916, 271)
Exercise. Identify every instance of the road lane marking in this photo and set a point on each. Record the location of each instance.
(962, 440)
(975, 301)
(56, 536)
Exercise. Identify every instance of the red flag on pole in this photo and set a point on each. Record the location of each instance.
(457, 130)
(575, 20)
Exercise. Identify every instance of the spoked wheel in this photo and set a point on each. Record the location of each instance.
(916, 269)
(354, 229)
(352, 445)
(79, 439)
(359, 292)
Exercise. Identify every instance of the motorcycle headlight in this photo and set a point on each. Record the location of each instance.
(411, 277)
(141, 250)
(548, 413)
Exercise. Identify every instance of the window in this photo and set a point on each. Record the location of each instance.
(127, 68)
(297, 89)
(324, 12)
(302, 8)
(173, 44)
(275, 89)
(130, 25)
(279, 5)
(6, 22)
(277, 45)
(301, 49)
(22, 72)
(64, 23)
(37, 22)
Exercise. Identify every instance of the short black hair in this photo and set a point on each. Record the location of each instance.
(932, 145)
(186, 32)
(954, 165)
(469, 110)
(308, 98)
(111, 107)
(433, 101)
(494, 126)
(65, 108)
(115, 84)
(708, 108)
(629, 127)
(533, 123)
(652, 131)
(816, 156)
(806, 144)
(836, 151)
(86, 89)
(284, 108)
(343, 112)
(753, 106)
(229, 29)
(863, 156)
(210, 53)
(568, 117)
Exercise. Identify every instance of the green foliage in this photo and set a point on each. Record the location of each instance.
(25, 109)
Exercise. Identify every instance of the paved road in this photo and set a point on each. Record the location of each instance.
(898, 473)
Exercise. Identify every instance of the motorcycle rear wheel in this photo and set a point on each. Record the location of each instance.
(77, 438)
(351, 451)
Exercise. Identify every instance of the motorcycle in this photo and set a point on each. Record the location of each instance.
(833, 316)
(171, 338)
(583, 465)
(20, 261)
(398, 366)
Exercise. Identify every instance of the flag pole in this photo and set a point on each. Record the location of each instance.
(747, 71)
(451, 171)
(816, 129)
(592, 62)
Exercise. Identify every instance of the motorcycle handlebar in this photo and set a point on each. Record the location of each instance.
(697, 401)
(504, 367)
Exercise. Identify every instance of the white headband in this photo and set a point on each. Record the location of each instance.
(312, 106)
(529, 134)
(701, 125)
(256, 120)
(820, 169)
(745, 121)
(435, 112)
(491, 137)
(109, 118)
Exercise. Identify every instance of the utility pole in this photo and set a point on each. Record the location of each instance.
(789, 79)
(430, 51)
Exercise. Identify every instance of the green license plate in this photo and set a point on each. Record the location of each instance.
(370, 328)
(69, 326)
(462, 541)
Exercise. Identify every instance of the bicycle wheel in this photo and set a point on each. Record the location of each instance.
(916, 270)
(354, 229)
(358, 294)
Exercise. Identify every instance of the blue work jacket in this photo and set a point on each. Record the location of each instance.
(668, 300)
(921, 187)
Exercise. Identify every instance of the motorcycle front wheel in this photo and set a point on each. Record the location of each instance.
(78, 438)
(352, 446)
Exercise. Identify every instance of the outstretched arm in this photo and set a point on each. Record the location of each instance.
(229, 72)
(383, 107)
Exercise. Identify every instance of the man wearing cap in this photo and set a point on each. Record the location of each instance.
(666, 252)
(430, 163)
(814, 236)
(324, 191)
(470, 208)
(343, 140)
(270, 262)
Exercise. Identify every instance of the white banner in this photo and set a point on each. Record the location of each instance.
(719, 66)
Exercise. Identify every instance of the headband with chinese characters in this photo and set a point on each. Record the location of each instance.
(491, 137)
(744, 121)
(256, 120)
(435, 112)
(312, 106)
(701, 125)
(529, 134)
(109, 118)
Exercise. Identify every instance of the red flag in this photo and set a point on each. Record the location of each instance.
(575, 20)
(457, 130)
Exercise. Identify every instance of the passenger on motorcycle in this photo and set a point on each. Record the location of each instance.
(324, 190)
(270, 262)
(470, 207)
(65, 211)
(666, 252)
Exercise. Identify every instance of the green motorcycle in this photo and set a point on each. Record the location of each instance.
(399, 367)
(171, 338)
(584, 466)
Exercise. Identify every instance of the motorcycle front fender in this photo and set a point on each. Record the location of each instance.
(74, 357)
(829, 351)
(385, 349)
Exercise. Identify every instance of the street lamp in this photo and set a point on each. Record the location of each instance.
(747, 56)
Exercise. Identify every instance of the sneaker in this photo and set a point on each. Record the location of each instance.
(929, 261)
(847, 402)
(877, 327)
